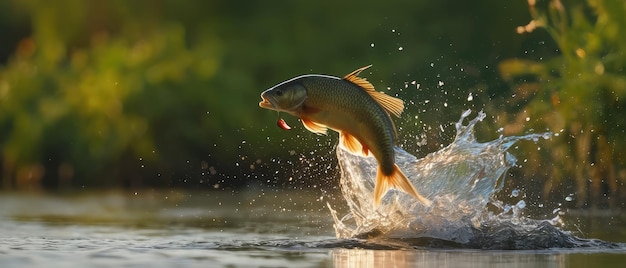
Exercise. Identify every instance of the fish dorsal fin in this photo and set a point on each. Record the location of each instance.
(359, 81)
(392, 105)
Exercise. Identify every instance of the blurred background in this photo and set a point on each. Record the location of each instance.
(164, 93)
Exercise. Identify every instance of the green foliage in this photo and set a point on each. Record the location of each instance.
(166, 92)
(80, 105)
(580, 94)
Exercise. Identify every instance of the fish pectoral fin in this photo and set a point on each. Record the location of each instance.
(314, 126)
(396, 180)
(352, 144)
(391, 104)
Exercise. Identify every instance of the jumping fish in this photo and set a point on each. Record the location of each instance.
(352, 107)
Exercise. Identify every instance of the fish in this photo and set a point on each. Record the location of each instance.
(353, 108)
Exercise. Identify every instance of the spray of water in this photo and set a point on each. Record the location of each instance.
(461, 180)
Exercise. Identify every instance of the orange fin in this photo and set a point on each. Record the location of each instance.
(314, 126)
(396, 180)
(391, 104)
(352, 144)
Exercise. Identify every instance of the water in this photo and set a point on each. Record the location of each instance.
(264, 227)
(461, 180)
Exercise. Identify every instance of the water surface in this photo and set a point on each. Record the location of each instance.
(120, 229)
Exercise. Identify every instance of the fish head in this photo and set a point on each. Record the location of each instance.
(286, 97)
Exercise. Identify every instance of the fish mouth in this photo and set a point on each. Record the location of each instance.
(267, 102)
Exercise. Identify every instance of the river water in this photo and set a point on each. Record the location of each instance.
(245, 229)
(265, 227)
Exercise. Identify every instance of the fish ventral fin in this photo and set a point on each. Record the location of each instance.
(352, 144)
(396, 180)
(313, 126)
(391, 104)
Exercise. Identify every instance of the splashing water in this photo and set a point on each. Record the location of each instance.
(461, 180)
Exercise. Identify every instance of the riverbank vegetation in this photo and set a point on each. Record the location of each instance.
(165, 93)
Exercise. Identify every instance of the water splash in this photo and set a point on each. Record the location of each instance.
(461, 180)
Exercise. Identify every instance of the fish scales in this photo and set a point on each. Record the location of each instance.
(345, 106)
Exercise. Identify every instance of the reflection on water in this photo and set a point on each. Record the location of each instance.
(428, 258)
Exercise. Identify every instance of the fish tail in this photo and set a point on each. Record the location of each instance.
(396, 180)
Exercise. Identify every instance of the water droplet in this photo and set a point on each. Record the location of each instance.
(506, 209)
(569, 198)
(470, 97)
(372, 45)
(515, 193)
(400, 48)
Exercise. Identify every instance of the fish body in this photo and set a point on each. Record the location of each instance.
(352, 107)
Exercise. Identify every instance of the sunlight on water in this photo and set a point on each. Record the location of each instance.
(461, 180)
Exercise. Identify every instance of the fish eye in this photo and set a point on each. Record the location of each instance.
(279, 92)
